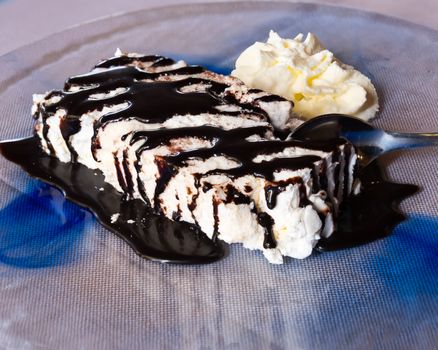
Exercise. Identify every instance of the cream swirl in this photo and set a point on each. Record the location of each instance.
(308, 74)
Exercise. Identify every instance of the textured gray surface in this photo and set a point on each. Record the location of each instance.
(93, 292)
(56, 15)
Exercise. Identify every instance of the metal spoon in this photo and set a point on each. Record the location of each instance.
(370, 142)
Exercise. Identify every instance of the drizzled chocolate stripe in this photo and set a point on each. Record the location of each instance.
(120, 177)
(267, 222)
(270, 98)
(246, 150)
(125, 60)
(128, 176)
(129, 73)
(267, 169)
(45, 135)
(155, 138)
(272, 191)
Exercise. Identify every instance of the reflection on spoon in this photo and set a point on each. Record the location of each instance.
(370, 141)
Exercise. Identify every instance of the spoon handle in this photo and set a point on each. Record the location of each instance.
(398, 141)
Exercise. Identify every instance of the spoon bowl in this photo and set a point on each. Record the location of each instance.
(370, 142)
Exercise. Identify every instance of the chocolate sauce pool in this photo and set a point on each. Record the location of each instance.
(151, 236)
(365, 218)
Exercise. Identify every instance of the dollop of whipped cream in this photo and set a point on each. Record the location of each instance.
(306, 73)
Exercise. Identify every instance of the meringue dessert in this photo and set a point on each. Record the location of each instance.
(201, 148)
(303, 71)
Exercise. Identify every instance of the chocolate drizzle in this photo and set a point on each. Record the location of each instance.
(154, 96)
(372, 214)
(143, 92)
(364, 218)
(265, 220)
(272, 192)
(151, 236)
(148, 94)
(153, 102)
(159, 137)
(123, 60)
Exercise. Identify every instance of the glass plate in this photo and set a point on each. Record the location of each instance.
(66, 282)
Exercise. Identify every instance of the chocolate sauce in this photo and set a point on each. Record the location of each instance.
(235, 196)
(372, 214)
(153, 102)
(149, 97)
(266, 221)
(270, 98)
(365, 218)
(151, 236)
(125, 60)
(272, 192)
(155, 138)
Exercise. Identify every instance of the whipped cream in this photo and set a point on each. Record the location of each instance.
(306, 73)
